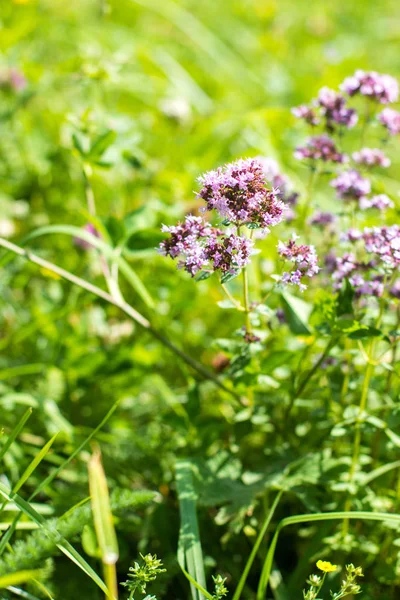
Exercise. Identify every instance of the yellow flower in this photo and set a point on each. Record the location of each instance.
(326, 566)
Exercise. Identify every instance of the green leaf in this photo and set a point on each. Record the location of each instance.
(101, 143)
(203, 275)
(297, 313)
(15, 432)
(190, 554)
(230, 275)
(365, 332)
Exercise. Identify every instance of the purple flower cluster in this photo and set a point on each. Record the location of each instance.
(306, 113)
(305, 260)
(350, 185)
(322, 219)
(201, 246)
(239, 193)
(366, 277)
(371, 157)
(281, 185)
(382, 88)
(380, 201)
(391, 120)
(333, 108)
(320, 148)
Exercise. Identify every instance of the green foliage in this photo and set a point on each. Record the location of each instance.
(142, 574)
(126, 103)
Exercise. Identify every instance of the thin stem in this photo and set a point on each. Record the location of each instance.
(122, 305)
(110, 577)
(232, 298)
(300, 389)
(246, 299)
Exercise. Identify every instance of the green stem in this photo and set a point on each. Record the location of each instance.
(232, 298)
(122, 305)
(246, 299)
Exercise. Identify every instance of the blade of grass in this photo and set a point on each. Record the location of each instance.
(190, 552)
(103, 521)
(15, 432)
(16, 578)
(126, 308)
(333, 516)
(256, 547)
(106, 250)
(7, 536)
(30, 469)
(59, 541)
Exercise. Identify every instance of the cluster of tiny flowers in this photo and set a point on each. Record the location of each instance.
(390, 119)
(382, 88)
(371, 157)
(238, 192)
(200, 246)
(306, 113)
(333, 108)
(320, 147)
(305, 260)
(322, 219)
(350, 185)
(384, 244)
(380, 201)
(281, 184)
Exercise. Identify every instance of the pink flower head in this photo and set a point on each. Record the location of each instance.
(380, 201)
(322, 219)
(378, 87)
(81, 243)
(239, 193)
(391, 120)
(320, 148)
(333, 107)
(371, 157)
(306, 113)
(199, 246)
(305, 261)
(350, 185)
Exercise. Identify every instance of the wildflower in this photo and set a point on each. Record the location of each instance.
(306, 113)
(326, 566)
(281, 184)
(228, 253)
(320, 148)
(395, 289)
(322, 219)
(382, 88)
(384, 242)
(239, 193)
(304, 258)
(199, 245)
(371, 157)
(333, 108)
(381, 202)
(350, 185)
(391, 120)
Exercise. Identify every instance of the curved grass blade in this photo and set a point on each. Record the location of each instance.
(189, 551)
(256, 546)
(333, 516)
(7, 536)
(106, 249)
(15, 432)
(16, 578)
(59, 541)
(103, 521)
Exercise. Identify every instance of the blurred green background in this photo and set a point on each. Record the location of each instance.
(185, 85)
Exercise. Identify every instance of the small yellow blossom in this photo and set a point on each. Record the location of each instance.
(326, 566)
